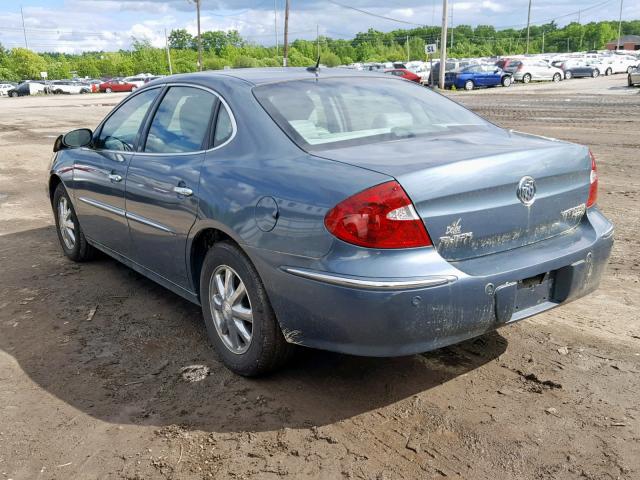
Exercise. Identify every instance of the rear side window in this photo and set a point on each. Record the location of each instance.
(120, 130)
(181, 122)
(224, 127)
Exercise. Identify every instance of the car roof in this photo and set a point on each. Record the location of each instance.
(259, 76)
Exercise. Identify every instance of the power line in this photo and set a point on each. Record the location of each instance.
(366, 12)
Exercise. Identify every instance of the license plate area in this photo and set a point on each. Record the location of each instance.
(533, 291)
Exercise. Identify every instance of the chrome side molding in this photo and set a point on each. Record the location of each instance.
(370, 283)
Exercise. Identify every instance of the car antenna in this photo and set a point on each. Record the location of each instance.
(316, 68)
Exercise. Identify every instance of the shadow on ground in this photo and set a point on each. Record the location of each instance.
(123, 364)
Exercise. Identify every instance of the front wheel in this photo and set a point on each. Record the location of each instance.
(595, 73)
(608, 72)
(567, 75)
(468, 85)
(557, 77)
(72, 239)
(506, 81)
(108, 90)
(526, 78)
(240, 321)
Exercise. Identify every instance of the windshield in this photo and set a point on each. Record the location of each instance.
(339, 112)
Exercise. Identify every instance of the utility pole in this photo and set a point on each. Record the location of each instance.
(275, 22)
(528, 26)
(451, 47)
(443, 45)
(318, 39)
(199, 37)
(542, 41)
(166, 44)
(619, 26)
(568, 50)
(285, 58)
(408, 53)
(24, 30)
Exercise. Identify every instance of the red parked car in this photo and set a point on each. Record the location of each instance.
(404, 73)
(117, 86)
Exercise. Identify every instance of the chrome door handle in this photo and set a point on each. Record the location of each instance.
(184, 191)
(115, 178)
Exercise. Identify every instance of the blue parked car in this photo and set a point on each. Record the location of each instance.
(475, 76)
(334, 209)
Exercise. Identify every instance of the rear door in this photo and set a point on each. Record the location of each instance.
(163, 178)
(99, 173)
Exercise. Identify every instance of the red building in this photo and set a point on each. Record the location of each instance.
(627, 42)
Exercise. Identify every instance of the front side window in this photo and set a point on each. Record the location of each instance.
(120, 130)
(337, 112)
(181, 122)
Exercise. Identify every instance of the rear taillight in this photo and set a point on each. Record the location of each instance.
(379, 217)
(593, 182)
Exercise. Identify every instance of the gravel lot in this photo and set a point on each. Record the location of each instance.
(91, 355)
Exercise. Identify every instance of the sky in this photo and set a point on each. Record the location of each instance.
(74, 26)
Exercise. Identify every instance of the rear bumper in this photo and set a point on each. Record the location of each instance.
(337, 304)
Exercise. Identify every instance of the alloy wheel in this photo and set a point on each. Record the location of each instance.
(65, 224)
(231, 309)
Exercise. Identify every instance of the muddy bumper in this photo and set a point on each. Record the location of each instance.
(390, 316)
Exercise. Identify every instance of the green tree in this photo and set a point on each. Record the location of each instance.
(180, 39)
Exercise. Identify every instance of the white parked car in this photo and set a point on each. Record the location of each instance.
(531, 70)
(65, 86)
(619, 64)
(139, 80)
(5, 87)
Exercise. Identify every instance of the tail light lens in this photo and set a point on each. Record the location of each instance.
(593, 180)
(379, 217)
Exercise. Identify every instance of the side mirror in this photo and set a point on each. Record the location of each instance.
(81, 137)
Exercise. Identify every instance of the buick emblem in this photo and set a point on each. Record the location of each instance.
(526, 191)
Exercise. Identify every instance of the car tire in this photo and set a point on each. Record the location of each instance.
(526, 78)
(608, 72)
(557, 77)
(595, 73)
(567, 75)
(13, 94)
(133, 89)
(266, 348)
(630, 69)
(506, 81)
(469, 85)
(74, 244)
(108, 90)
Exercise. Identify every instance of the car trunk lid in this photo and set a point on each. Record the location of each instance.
(465, 186)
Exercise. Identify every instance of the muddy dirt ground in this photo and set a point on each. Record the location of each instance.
(90, 355)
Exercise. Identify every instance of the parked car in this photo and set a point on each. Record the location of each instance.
(576, 69)
(5, 87)
(69, 87)
(27, 87)
(633, 77)
(531, 70)
(450, 66)
(139, 80)
(619, 64)
(117, 85)
(404, 73)
(293, 208)
(478, 76)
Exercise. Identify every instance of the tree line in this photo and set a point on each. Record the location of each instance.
(230, 49)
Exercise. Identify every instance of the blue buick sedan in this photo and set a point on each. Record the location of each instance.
(333, 209)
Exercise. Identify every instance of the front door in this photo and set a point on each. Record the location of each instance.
(163, 178)
(99, 173)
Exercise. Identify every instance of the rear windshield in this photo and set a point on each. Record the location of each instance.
(339, 112)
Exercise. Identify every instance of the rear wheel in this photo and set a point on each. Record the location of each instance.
(595, 73)
(557, 77)
(568, 74)
(108, 90)
(526, 78)
(240, 321)
(72, 240)
(608, 72)
(133, 89)
(506, 81)
(469, 85)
